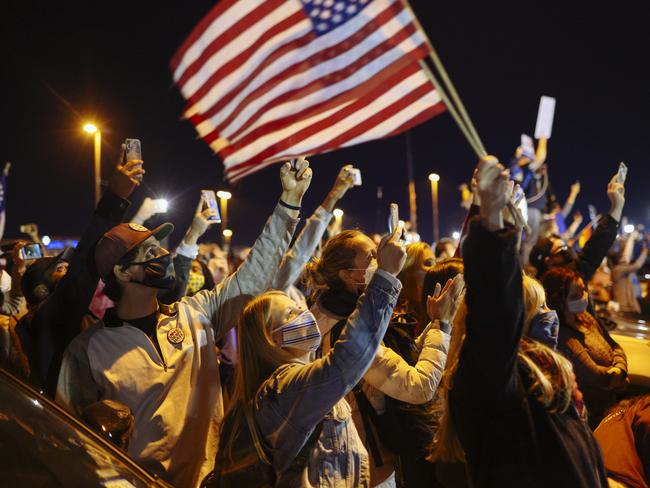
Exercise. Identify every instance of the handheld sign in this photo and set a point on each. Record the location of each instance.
(545, 118)
(394, 218)
(622, 172)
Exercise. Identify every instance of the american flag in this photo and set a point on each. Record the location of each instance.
(268, 80)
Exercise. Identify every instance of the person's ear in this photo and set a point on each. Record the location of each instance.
(345, 275)
(122, 273)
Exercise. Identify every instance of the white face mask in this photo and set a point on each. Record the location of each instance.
(577, 306)
(301, 332)
(5, 282)
(370, 272)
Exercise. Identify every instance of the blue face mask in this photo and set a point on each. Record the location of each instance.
(544, 328)
(301, 332)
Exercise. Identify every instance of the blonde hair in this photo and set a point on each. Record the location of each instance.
(534, 297)
(410, 299)
(338, 253)
(259, 357)
(551, 375)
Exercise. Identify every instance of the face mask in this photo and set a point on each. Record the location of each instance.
(5, 282)
(301, 332)
(195, 282)
(544, 328)
(158, 272)
(577, 306)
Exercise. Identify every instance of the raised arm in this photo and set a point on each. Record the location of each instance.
(310, 391)
(223, 304)
(303, 248)
(494, 290)
(604, 234)
(571, 199)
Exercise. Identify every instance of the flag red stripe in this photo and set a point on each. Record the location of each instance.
(202, 26)
(302, 66)
(355, 93)
(321, 125)
(325, 81)
(236, 30)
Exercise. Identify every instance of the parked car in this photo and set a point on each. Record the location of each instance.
(44, 446)
(633, 334)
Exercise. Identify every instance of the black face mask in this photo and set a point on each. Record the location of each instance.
(158, 272)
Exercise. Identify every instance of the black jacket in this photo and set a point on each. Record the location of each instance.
(597, 247)
(47, 329)
(510, 439)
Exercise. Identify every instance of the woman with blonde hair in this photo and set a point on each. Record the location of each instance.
(513, 410)
(293, 408)
(338, 279)
(419, 258)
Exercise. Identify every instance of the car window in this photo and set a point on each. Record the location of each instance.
(42, 446)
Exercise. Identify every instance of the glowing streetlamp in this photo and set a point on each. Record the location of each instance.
(227, 236)
(434, 179)
(224, 196)
(92, 129)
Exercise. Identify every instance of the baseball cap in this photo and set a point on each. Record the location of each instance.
(121, 239)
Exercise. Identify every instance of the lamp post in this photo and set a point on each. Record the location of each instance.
(434, 179)
(224, 196)
(338, 220)
(227, 235)
(92, 129)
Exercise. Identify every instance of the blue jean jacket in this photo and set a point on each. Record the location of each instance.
(297, 397)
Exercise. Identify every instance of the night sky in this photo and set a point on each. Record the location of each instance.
(64, 63)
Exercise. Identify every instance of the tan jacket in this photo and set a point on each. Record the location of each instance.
(175, 398)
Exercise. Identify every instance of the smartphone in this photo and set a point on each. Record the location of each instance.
(133, 150)
(394, 217)
(622, 172)
(210, 201)
(356, 176)
(30, 252)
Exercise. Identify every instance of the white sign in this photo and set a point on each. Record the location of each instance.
(545, 118)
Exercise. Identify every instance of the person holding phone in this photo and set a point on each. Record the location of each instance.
(61, 289)
(161, 361)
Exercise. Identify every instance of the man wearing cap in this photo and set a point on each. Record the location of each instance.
(162, 361)
(59, 293)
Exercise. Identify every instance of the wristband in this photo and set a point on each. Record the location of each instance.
(290, 207)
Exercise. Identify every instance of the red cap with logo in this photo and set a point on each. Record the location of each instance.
(121, 239)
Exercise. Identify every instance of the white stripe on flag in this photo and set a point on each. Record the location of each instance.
(287, 60)
(218, 26)
(333, 65)
(331, 132)
(329, 92)
(241, 43)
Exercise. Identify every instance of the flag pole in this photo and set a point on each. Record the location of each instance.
(467, 127)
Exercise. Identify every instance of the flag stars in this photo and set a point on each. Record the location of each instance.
(351, 9)
(339, 7)
(328, 3)
(337, 18)
(325, 14)
(315, 12)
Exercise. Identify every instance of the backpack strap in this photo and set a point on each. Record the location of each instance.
(295, 470)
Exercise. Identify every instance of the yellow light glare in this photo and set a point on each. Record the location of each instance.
(338, 213)
(224, 195)
(90, 128)
(227, 233)
(434, 177)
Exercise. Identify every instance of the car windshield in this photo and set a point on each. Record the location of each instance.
(43, 446)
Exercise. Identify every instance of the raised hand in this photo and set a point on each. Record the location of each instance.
(616, 195)
(492, 181)
(344, 181)
(126, 176)
(391, 253)
(295, 182)
(200, 224)
(444, 302)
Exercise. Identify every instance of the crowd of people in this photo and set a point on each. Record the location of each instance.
(344, 360)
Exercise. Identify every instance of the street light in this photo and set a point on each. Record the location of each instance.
(434, 179)
(338, 221)
(227, 235)
(92, 129)
(224, 196)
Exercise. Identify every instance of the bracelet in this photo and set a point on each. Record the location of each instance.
(290, 207)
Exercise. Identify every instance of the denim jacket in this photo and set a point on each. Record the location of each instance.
(297, 397)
